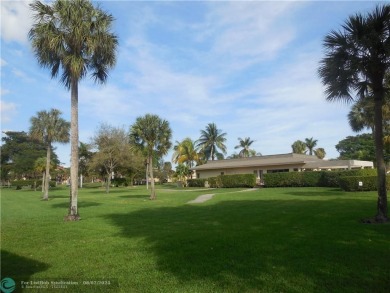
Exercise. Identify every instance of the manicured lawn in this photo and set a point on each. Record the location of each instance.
(267, 240)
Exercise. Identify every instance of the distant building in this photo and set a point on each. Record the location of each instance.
(260, 165)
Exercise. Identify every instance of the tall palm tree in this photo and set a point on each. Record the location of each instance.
(49, 127)
(310, 144)
(40, 166)
(298, 147)
(210, 141)
(356, 61)
(73, 37)
(185, 153)
(244, 145)
(153, 135)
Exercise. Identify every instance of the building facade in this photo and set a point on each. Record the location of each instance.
(260, 165)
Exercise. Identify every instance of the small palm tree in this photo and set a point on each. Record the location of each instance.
(210, 141)
(49, 127)
(320, 153)
(244, 146)
(185, 153)
(298, 147)
(73, 37)
(310, 144)
(355, 64)
(152, 135)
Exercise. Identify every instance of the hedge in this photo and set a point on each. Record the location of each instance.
(238, 180)
(351, 183)
(30, 183)
(312, 178)
(226, 181)
(119, 182)
(199, 182)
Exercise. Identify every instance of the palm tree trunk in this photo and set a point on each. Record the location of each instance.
(43, 182)
(381, 168)
(153, 191)
(46, 189)
(74, 163)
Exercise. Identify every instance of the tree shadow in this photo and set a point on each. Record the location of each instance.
(19, 268)
(327, 192)
(81, 204)
(130, 196)
(245, 243)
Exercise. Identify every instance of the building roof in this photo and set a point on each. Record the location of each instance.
(298, 160)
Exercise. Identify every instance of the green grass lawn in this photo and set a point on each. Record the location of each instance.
(267, 240)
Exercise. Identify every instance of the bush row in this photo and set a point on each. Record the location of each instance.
(30, 183)
(226, 181)
(312, 178)
(368, 183)
(120, 182)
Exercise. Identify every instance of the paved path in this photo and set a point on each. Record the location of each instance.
(201, 198)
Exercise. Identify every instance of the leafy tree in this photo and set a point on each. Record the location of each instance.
(182, 172)
(73, 37)
(244, 146)
(19, 153)
(152, 135)
(49, 127)
(310, 144)
(359, 147)
(211, 140)
(299, 147)
(357, 59)
(112, 150)
(85, 156)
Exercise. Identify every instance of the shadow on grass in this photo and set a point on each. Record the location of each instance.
(81, 204)
(19, 268)
(129, 196)
(313, 192)
(265, 246)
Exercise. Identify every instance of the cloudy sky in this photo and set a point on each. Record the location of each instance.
(250, 67)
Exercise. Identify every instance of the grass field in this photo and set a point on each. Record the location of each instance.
(266, 240)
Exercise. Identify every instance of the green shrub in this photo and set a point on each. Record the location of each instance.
(238, 180)
(292, 179)
(351, 183)
(199, 182)
(215, 182)
(30, 183)
(119, 182)
(312, 178)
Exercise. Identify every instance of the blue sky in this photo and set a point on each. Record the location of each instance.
(249, 67)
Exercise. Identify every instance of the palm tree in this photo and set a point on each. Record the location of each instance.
(185, 153)
(210, 141)
(355, 63)
(49, 127)
(320, 153)
(298, 147)
(244, 145)
(153, 135)
(73, 37)
(310, 144)
(40, 166)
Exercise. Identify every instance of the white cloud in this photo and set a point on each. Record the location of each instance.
(3, 62)
(22, 75)
(7, 110)
(16, 21)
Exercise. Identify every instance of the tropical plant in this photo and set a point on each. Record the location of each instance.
(244, 146)
(73, 37)
(185, 153)
(320, 153)
(211, 140)
(49, 127)
(357, 59)
(310, 144)
(152, 135)
(298, 147)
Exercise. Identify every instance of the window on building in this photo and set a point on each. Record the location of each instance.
(278, 170)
